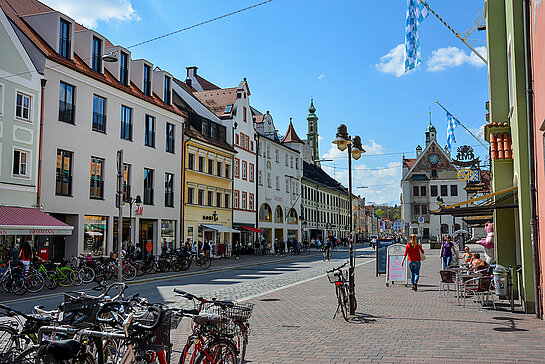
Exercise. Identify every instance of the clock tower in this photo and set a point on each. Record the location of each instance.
(312, 136)
(431, 134)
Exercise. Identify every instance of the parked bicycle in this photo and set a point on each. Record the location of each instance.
(339, 278)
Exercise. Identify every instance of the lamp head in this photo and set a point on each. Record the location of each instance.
(342, 137)
(357, 149)
(138, 200)
(110, 57)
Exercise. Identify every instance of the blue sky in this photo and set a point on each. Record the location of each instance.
(343, 54)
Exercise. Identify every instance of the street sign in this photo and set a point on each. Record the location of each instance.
(149, 246)
(420, 219)
(395, 271)
(466, 174)
(475, 188)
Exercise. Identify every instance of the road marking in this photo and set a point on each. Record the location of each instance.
(293, 284)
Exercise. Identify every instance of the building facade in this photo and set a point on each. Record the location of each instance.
(279, 176)
(93, 107)
(427, 181)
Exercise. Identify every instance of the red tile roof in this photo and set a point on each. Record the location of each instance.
(217, 100)
(205, 84)
(16, 9)
(291, 136)
(501, 146)
(193, 133)
(500, 124)
(409, 162)
(11, 216)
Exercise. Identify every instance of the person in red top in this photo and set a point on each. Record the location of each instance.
(413, 250)
(25, 255)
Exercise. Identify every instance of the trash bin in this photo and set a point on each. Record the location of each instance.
(501, 275)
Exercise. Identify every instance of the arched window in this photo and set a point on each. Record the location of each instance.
(268, 164)
(278, 215)
(265, 212)
(292, 216)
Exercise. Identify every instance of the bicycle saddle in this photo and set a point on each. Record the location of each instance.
(60, 350)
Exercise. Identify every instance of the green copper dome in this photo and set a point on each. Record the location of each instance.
(312, 110)
(430, 128)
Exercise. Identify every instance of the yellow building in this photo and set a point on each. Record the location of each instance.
(208, 185)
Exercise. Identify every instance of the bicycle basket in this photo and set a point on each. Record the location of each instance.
(79, 310)
(334, 277)
(216, 319)
(158, 339)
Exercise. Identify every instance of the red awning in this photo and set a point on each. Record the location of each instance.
(29, 221)
(253, 229)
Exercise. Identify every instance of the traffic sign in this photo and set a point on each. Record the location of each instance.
(420, 219)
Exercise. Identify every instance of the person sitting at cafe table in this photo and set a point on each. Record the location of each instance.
(468, 256)
(477, 263)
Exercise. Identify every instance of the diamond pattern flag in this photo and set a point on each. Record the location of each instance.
(416, 13)
(452, 123)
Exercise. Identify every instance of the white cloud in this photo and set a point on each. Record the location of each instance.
(393, 61)
(453, 57)
(373, 147)
(321, 76)
(89, 13)
(478, 132)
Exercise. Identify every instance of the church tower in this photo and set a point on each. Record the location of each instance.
(312, 136)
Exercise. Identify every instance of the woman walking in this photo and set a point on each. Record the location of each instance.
(413, 250)
(446, 252)
(26, 255)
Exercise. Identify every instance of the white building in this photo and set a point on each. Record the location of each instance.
(280, 169)
(427, 179)
(93, 108)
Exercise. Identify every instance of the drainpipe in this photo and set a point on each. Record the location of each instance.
(182, 190)
(256, 174)
(530, 123)
(40, 147)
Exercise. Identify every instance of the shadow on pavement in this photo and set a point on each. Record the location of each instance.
(511, 322)
(362, 318)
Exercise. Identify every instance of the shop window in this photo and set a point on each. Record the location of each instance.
(265, 213)
(292, 216)
(168, 234)
(95, 234)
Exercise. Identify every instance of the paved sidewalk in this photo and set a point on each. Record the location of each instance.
(394, 324)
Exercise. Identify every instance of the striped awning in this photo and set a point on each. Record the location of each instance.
(28, 221)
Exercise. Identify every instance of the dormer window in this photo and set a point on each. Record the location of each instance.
(96, 56)
(123, 69)
(64, 39)
(147, 80)
(166, 95)
(228, 109)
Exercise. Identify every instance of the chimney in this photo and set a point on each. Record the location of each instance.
(191, 71)
(188, 81)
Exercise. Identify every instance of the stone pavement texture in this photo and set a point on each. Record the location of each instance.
(393, 325)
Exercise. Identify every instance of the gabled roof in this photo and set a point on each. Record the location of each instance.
(186, 94)
(205, 84)
(409, 162)
(433, 145)
(319, 176)
(217, 100)
(291, 136)
(17, 9)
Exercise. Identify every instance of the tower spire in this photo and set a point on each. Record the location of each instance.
(312, 135)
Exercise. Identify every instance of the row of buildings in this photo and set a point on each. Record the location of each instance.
(199, 162)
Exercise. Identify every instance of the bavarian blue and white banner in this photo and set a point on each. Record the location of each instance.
(416, 13)
(452, 123)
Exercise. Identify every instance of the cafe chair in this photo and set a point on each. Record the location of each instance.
(480, 288)
(448, 277)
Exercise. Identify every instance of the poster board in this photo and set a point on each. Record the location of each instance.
(395, 272)
(381, 252)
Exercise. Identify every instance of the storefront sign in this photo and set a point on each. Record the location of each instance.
(210, 217)
(35, 232)
(149, 246)
(139, 210)
(278, 198)
(475, 188)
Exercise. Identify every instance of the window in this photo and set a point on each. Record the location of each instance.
(416, 210)
(433, 191)
(147, 80)
(244, 113)
(237, 165)
(444, 190)
(251, 202)
(251, 172)
(291, 161)
(246, 142)
(214, 131)
(434, 173)
(218, 199)
(64, 173)
(276, 156)
(235, 201)
(269, 152)
(423, 191)
(244, 200)
(242, 139)
(124, 69)
(166, 91)
(236, 139)
(444, 228)
(96, 55)
(454, 190)
(424, 209)
(292, 216)
(244, 170)
(99, 114)
(200, 197)
(226, 204)
(228, 108)
(126, 123)
(227, 171)
(296, 163)
(210, 166)
(201, 164)
(149, 134)
(20, 163)
(416, 191)
(190, 161)
(1, 99)
(126, 182)
(170, 138)
(252, 145)
(190, 192)
(260, 177)
(277, 183)
(97, 179)
(222, 133)
(64, 39)
(278, 215)
(219, 168)
(66, 103)
(286, 159)
(269, 179)
(210, 198)
(287, 185)
(169, 190)
(148, 186)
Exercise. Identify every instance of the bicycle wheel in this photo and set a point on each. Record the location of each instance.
(186, 263)
(218, 352)
(66, 276)
(151, 268)
(342, 297)
(50, 280)
(128, 272)
(10, 345)
(205, 262)
(187, 353)
(78, 281)
(18, 285)
(87, 274)
(29, 356)
(241, 339)
(35, 282)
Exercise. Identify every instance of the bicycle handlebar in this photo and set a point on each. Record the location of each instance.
(10, 310)
(189, 296)
(338, 268)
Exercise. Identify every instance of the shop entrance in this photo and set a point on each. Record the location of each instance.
(147, 234)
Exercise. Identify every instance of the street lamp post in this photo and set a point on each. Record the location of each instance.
(355, 150)
(138, 202)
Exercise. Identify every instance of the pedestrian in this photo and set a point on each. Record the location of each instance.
(237, 249)
(413, 250)
(206, 248)
(13, 253)
(25, 255)
(446, 251)
(468, 256)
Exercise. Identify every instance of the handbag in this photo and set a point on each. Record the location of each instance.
(422, 256)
